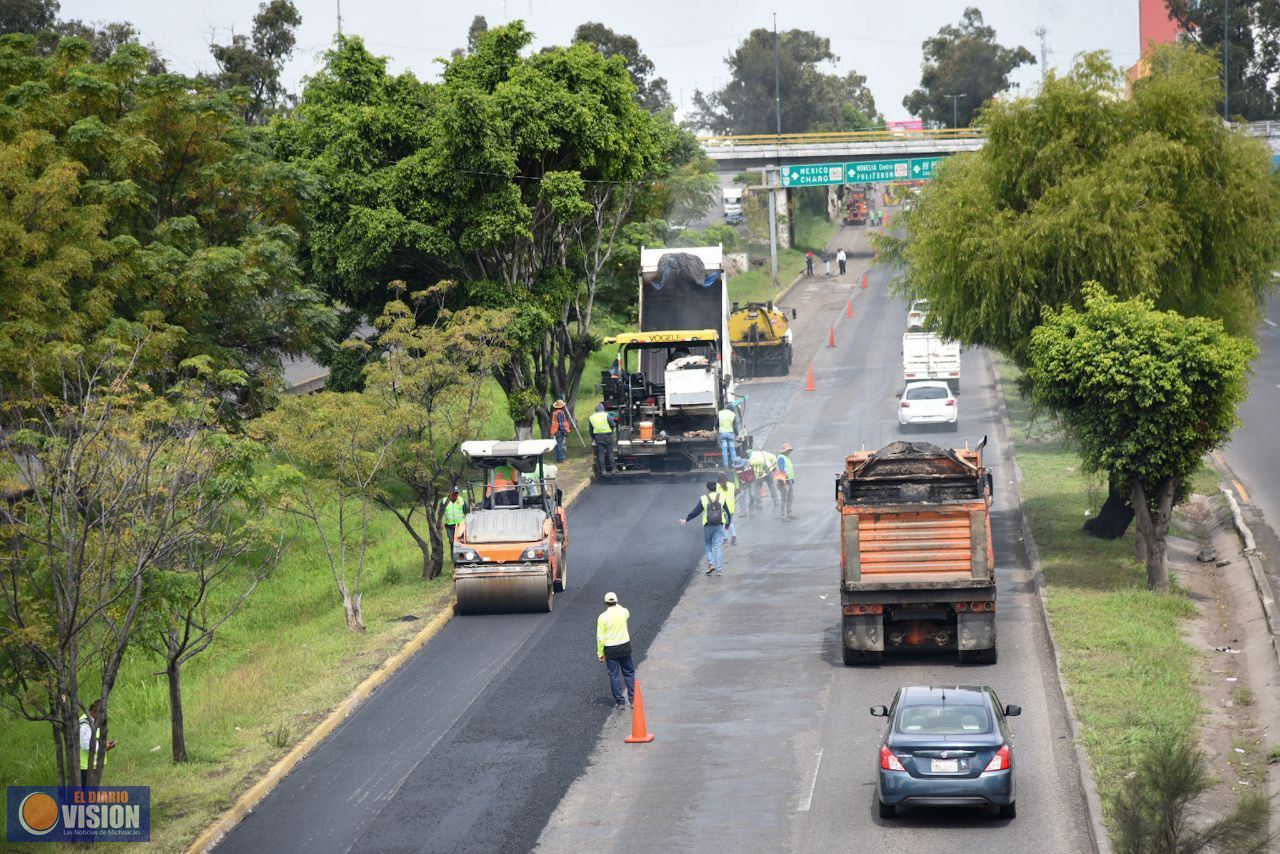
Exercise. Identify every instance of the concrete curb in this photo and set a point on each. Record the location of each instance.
(255, 794)
(1092, 801)
(1262, 584)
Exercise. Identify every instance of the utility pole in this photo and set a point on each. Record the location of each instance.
(777, 84)
(1044, 51)
(771, 175)
(955, 110)
(339, 17)
(1226, 78)
(775, 173)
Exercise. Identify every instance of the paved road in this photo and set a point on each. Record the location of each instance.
(1252, 453)
(763, 738)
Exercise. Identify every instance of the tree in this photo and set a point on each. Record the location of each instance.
(812, 100)
(255, 62)
(1153, 809)
(479, 26)
(114, 484)
(338, 445)
(1145, 393)
(144, 198)
(1253, 48)
(966, 61)
(28, 16)
(651, 92)
(433, 383)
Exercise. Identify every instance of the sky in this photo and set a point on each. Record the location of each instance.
(686, 39)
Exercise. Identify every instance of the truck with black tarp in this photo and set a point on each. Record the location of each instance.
(671, 378)
(917, 569)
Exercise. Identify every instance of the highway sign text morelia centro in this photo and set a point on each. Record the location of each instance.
(859, 172)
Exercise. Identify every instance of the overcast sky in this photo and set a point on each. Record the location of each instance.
(686, 39)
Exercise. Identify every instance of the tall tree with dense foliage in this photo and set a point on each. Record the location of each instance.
(137, 197)
(1145, 393)
(651, 91)
(812, 99)
(255, 62)
(1252, 29)
(963, 59)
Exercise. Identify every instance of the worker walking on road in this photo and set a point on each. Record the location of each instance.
(715, 515)
(727, 419)
(603, 424)
(841, 258)
(561, 427)
(808, 263)
(613, 647)
(786, 478)
(728, 489)
(455, 510)
(763, 465)
(826, 264)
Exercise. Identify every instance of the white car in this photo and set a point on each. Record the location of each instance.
(928, 402)
(916, 315)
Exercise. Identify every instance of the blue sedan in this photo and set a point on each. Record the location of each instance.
(947, 746)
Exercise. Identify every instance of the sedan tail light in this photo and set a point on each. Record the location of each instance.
(906, 405)
(1002, 761)
(889, 762)
(951, 401)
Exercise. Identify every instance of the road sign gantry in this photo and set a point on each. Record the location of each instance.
(859, 172)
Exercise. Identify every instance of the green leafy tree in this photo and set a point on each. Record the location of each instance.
(254, 62)
(338, 445)
(966, 60)
(28, 16)
(1154, 808)
(479, 26)
(651, 91)
(812, 100)
(433, 383)
(1252, 28)
(1145, 393)
(142, 198)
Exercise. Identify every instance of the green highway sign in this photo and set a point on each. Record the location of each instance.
(813, 175)
(878, 171)
(923, 167)
(859, 172)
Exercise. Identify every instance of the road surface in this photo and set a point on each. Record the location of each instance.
(500, 734)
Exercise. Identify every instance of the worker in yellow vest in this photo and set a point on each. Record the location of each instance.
(763, 464)
(613, 647)
(785, 475)
(727, 420)
(602, 425)
(90, 735)
(728, 488)
(455, 510)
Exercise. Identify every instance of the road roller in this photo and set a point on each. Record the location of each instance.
(761, 338)
(511, 552)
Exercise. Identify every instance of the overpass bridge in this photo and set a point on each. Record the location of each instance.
(744, 153)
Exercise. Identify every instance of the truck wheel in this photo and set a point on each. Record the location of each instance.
(849, 656)
(887, 810)
(978, 656)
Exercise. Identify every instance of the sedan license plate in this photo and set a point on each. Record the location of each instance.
(946, 766)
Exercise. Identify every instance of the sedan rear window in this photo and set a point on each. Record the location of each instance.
(927, 393)
(944, 720)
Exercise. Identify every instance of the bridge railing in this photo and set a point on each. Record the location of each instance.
(878, 135)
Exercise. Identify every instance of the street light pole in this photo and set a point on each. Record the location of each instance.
(777, 84)
(955, 111)
(1226, 39)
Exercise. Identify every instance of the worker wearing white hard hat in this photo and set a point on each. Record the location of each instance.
(613, 647)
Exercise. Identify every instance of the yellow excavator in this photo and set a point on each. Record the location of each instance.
(761, 338)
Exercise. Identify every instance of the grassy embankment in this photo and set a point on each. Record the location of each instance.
(812, 232)
(1127, 666)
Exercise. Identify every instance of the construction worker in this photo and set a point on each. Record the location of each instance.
(808, 263)
(91, 734)
(613, 647)
(728, 421)
(728, 488)
(603, 424)
(786, 478)
(841, 259)
(455, 510)
(715, 515)
(763, 464)
(561, 427)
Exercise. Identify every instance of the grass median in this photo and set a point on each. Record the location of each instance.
(1128, 669)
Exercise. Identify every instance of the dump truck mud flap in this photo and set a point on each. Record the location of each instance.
(975, 630)
(863, 632)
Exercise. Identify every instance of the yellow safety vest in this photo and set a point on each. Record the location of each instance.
(454, 511)
(726, 420)
(84, 752)
(786, 467)
(724, 506)
(611, 628)
(762, 461)
(730, 493)
(599, 423)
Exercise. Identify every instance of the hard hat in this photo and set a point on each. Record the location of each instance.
(611, 598)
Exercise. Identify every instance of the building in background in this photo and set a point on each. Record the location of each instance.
(1155, 27)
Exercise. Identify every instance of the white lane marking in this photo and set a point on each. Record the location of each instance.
(1268, 321)
(813, 784)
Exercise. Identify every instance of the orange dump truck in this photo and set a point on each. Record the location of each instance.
(916, 565)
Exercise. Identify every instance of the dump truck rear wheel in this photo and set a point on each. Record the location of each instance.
(978, 656)
(860, 657)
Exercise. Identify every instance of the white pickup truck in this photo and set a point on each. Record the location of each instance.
(925, 356)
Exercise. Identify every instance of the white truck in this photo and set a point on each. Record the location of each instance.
(732, 197)
(926, 356)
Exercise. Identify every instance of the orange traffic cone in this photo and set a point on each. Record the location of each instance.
(864, 280)
(639, 733)
(808, 385)
(848, 309)
(831, 336)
